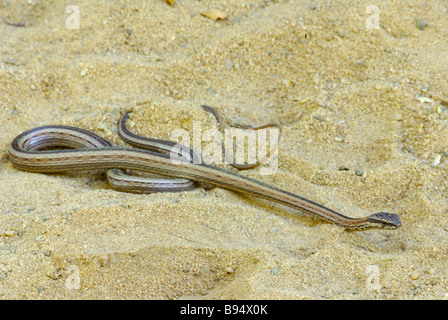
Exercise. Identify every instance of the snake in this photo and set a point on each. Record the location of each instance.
(61, 148)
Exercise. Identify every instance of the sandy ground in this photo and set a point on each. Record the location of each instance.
(361, 135)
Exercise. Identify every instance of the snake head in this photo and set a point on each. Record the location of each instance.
(384, 220)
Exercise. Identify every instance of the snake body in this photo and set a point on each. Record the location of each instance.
(87, 151)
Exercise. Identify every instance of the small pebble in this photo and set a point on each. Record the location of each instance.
(230, 270)
(358, 172)
(104, 260)
(421, 24)
(415, 275)
(9, 233)
(274, 271)
(434, 282)
(360, 61)
(342, 33)
(437, 159)
(229, 64)
(41, 289)
(101, 126)
(53, 275)
(11, 62)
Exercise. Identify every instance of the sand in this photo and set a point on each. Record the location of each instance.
(364, 116)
